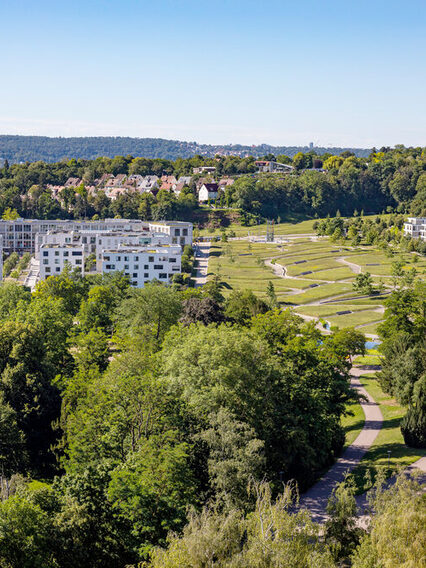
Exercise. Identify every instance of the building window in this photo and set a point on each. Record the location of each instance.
(76, 253)
(58, 269)
(48, 270)
(158, 267)
(126, 267)
(45, 261)
(151, 259)
(185, 232)
(172, 260)
(146, 275)
(56, 253)
(126, 259)
(66, 253)
(146, 266)
(78, 261)
(135, 274)
(162, 275)
(45, 253)
(136, 267)
(177, 232)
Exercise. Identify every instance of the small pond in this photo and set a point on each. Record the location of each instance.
(371, 344)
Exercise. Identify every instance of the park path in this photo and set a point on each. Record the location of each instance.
(316, 498)
(201, 256)
(356, 269)
(416, 470)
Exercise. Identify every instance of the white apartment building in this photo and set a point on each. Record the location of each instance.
(415, 227)
(19, 235)
(94, 242)
(180, 232)
(143, 264)
(54, 258)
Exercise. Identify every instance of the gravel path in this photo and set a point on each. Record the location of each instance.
(315, 499)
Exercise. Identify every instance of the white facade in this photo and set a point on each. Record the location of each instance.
(415, 227)
(144, 264)
(54, 258)
(180, 232)
(205, 193)
(95, 242)
(20, 235)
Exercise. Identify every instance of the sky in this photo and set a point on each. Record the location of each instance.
(280, 72)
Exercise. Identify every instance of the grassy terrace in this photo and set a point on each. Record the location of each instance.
(325, 290)
(389, 438)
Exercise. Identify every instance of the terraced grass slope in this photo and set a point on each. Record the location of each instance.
(310, 274)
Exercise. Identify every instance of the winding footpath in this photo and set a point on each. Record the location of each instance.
(316, 498)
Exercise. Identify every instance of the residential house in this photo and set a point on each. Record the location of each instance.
(208, 192)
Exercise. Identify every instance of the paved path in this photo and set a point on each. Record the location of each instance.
(315, 499)
(202, 251)
(356, 269)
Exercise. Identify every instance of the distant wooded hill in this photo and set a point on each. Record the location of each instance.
(33, 148)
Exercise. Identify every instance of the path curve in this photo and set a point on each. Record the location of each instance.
(316, 498)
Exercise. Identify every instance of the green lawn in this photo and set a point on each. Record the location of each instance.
(357, 318)
(388, 439)
(353, 424)
(335, 274)
(370, 329)
(296, 228)
(328, 309)
(319, 293)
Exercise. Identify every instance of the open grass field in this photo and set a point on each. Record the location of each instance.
(319, 293)
(352, 423)
(329, 309)
(370, 329)
(333, 274)
(389, 439)
(357, 318)
(296, 228)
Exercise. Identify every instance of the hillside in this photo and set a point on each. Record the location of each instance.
(17, 148)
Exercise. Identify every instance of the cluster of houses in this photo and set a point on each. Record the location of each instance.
(205, 187)
(142, 250)
(114, 186)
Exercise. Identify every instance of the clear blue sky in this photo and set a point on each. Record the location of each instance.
(227, 71)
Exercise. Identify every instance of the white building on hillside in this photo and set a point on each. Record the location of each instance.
(415, 227)
(208, 191)
(19, 235)
(54, 258)
(143, 264)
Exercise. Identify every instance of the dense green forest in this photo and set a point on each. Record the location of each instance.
(131, 415)
(388, 180)
(17, 148)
